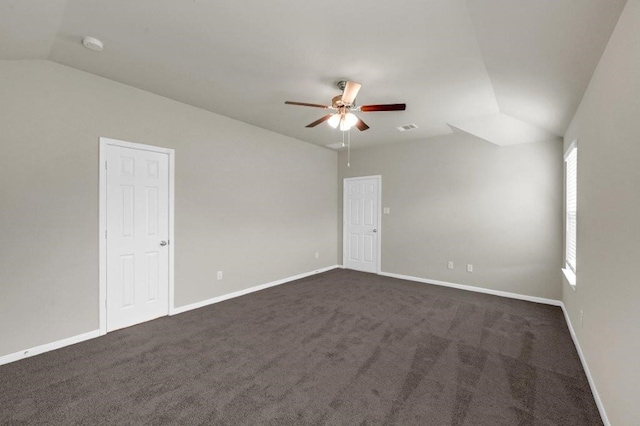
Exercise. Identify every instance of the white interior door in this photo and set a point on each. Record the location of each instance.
(137, 236)
(361, 224)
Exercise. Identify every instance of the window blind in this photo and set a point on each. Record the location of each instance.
(571, 160)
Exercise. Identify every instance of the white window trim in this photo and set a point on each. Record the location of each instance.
(570, 276)
(568, 272)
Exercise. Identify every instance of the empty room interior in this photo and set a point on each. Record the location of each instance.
(234, 212)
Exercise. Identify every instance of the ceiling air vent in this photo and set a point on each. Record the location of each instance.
(407, 127)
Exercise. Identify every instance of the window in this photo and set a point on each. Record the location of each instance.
(571, 176)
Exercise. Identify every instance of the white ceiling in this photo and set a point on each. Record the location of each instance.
(450, 61)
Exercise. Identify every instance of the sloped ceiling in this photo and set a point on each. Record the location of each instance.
(470, 64)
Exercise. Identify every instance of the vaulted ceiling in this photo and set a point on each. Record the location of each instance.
(487, 67)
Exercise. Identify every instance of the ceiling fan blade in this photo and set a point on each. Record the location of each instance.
(320, 120)
(350, 92)
(306, 104)
(361, 125)
(387, 107)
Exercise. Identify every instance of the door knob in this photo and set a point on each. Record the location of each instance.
(375, 230)
(163, 243)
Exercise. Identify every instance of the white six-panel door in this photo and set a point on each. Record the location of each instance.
(137, 236)
(361, 224)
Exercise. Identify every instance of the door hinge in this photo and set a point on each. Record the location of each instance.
(105, 234)
(105, 165)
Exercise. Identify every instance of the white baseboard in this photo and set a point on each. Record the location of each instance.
(6, 359)
(583, 360)
(476, 289)
(553, 302)
(26, 353)
(239, 293)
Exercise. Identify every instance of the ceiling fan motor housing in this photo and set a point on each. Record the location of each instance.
(337, 103)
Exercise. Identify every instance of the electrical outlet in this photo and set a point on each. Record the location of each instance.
(219, 275)
(450, 265)
(317, 255)
(469, 267)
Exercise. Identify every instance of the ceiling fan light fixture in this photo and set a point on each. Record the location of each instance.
(334, 120)
(344, 126)
(350, 119)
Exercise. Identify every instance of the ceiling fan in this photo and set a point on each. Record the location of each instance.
(344, 104)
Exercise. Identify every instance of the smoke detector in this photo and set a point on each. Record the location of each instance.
(92, 43)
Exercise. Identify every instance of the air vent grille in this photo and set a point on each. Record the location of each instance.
(407, 127)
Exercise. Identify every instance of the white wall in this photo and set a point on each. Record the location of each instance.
(252, 203)
(463, 199)
(607, 127)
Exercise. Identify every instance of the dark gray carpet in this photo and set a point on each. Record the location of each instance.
(341, 347)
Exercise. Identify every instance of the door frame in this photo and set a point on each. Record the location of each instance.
(102, 223)
(379, 224)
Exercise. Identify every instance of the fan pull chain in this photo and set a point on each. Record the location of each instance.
(348, 147)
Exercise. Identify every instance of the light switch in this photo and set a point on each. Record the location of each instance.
(386, 210)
